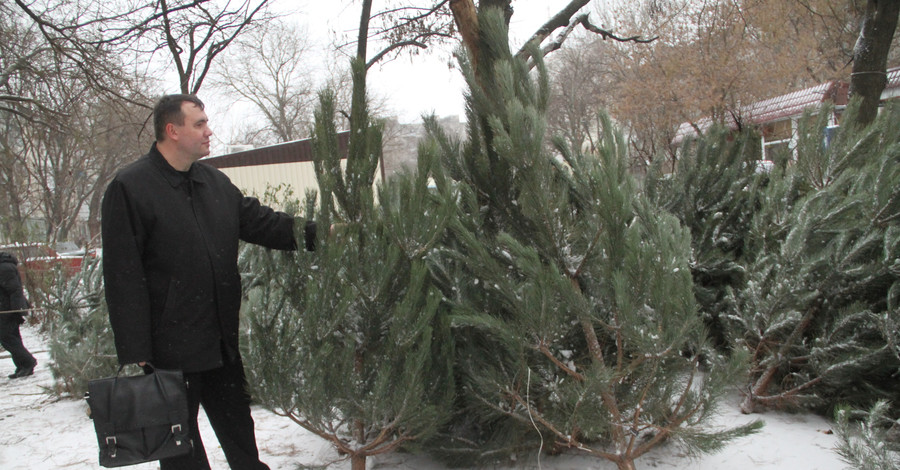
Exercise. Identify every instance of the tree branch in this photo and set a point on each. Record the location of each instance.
(566, 19)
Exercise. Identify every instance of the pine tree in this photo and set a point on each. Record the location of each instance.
(80, 338)
(714, 192)
(574, 319)
(823, 285)
(867, 444)
(350, 341)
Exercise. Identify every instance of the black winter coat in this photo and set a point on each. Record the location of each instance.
(12, 296)
(170, 247)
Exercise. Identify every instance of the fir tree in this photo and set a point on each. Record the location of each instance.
(349, 341)
(574, 318)
(823, 283)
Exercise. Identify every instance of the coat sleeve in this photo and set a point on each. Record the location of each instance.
(127, 293)
(11, 284)
(264, 226)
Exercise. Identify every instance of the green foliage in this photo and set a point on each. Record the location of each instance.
(822, 282)
(573, 314)
(351, 186)
(865, 441)
(350, 341)
(797, 267)
(80, 337)
(342, 339)
(714, 192)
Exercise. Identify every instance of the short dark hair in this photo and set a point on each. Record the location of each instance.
(168, 110)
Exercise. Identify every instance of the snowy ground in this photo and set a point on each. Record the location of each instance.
(39, 433)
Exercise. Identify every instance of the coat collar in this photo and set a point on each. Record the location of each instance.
(173, 176)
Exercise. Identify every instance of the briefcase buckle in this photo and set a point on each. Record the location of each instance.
(111, 446)
(176, 429)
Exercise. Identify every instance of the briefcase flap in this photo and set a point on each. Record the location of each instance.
(140, 401)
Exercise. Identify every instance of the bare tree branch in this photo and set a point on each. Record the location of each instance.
(85, 53)
(401, 32)
(560, 20)
(195, 37)
(564, 19)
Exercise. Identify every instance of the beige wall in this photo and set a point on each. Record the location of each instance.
(254, 180)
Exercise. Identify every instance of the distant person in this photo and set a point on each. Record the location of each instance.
(170, 228)
(13, 308)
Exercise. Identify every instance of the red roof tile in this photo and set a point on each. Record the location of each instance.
(777, 108)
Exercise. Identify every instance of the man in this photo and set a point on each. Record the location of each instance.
(170, 228)
(13, 308)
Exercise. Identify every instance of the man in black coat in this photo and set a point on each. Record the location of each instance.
(13, 308)
(170, 228)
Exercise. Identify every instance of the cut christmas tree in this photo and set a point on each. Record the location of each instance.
(823, 286)
(347, 341)
(574, 318)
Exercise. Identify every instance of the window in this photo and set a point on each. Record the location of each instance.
(777, 139)
(776, 151)
(778, 131)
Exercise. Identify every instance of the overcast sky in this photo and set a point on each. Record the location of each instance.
(411, 86)
(423, 83)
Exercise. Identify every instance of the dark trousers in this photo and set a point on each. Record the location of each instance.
(222, 392)
(11, 340)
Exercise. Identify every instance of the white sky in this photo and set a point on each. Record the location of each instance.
(411, 86)
(423, 83)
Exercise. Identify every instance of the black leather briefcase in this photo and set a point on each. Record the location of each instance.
(140, 419)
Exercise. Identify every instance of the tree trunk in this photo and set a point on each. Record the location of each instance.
(748, 404)
(358, 462)
(625, 464)
(869, 76)
(466, 18)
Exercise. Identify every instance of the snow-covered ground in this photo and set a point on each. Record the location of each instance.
(38, 432)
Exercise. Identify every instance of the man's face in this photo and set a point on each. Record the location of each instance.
(193, 136)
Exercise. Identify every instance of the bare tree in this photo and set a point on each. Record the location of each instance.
(77, 33)
(400, 26)
(408, 26)
(38, 157)
(583, 66)
(191, 32)
(63, 70)
(68, 158)
(193, 37)
(114, 130)
(709, 59)
(58, 76)
(269, 68)
(17, 56)
(14, 210)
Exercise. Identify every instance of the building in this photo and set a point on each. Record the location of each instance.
(255, 171)
(401, 141)
(778, 118)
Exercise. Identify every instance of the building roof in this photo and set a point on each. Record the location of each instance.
(288, 152)
(892, 89)
(774, 109)
(795, 103)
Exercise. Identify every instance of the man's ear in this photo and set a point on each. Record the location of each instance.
(171, 132)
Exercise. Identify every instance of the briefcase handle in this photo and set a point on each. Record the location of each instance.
(149, 369)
